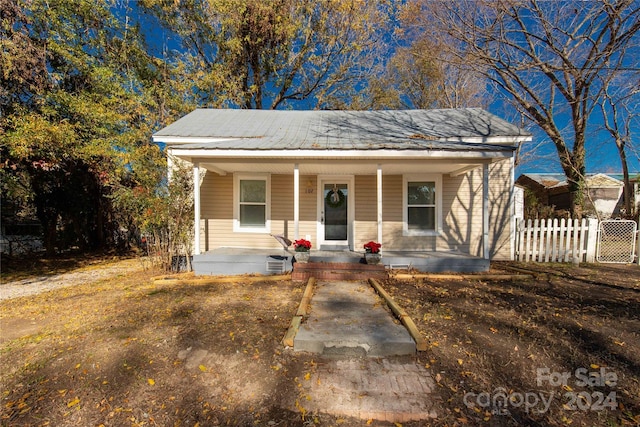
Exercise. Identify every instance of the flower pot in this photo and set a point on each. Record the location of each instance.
(302, 257)
(373, 259)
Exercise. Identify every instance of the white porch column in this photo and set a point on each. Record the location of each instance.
(379, 199)
(485, 210)
(296, 202)
(196, 207)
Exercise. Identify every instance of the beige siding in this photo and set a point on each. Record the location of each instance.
(216, 209)
(366, 198)
(366, 211)
(217, 213)
(500, 210)
(392, 216)
(461, 211)
(282, 205)
(308, 208)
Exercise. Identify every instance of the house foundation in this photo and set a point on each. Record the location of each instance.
(332, 265)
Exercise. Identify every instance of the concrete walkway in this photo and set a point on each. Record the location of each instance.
(349, 319)
(367, 366)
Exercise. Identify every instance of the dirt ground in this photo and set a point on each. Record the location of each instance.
(130, 351)
(560, 349)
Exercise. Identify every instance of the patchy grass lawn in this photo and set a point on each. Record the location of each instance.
(134, 352)
(130, 352)
(563, 349)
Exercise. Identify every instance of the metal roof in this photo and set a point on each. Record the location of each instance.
(445, 129)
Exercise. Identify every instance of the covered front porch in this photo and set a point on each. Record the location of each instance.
(371, 204)
(410, 206)
(231, 261)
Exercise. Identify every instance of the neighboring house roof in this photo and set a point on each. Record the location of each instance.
(554, 181)
(445, 129)
(546, 180)
(633, 176)
(601, 180)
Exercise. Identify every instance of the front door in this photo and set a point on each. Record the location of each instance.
(335, 214)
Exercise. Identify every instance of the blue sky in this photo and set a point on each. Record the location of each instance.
(602, 155)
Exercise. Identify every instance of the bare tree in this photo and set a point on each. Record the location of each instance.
(619, 106)
(548, 57)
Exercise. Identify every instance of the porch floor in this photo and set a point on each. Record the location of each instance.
(225, 261)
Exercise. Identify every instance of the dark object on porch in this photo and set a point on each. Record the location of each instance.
(282, 240)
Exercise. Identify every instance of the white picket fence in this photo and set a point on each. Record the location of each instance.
(553, 240)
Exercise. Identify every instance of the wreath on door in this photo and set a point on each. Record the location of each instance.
(334, 198)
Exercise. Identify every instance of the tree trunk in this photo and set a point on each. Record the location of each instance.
(49, 235)
(577, 169)
(576, 198)
(628, 194)
(576, 184)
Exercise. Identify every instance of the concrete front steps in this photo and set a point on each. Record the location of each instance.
(337, 271)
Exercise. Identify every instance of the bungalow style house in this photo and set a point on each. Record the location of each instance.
(434, 187)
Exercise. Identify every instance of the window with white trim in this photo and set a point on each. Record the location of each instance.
(422, 205)
(251, 203)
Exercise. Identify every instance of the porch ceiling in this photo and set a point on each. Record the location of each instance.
(335, 167)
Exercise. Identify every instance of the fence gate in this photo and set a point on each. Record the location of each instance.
(617, 241)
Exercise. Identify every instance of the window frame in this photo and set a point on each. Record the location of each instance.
(435, 178)
(237, 226)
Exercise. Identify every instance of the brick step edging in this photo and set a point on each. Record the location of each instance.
(337, 271)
